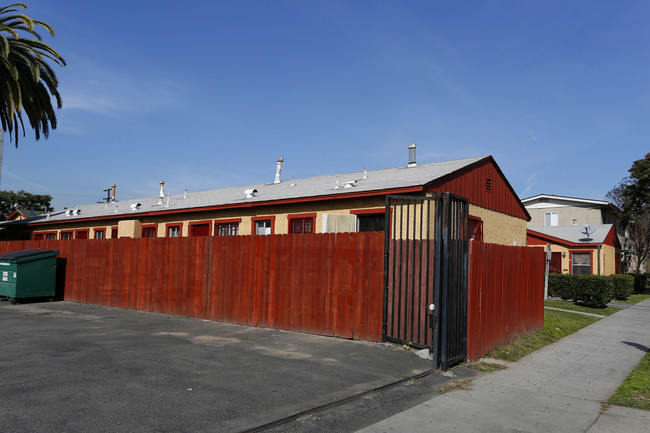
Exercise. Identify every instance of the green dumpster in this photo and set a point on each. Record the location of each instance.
(28, 274)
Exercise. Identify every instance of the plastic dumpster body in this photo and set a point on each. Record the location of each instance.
(28, 274)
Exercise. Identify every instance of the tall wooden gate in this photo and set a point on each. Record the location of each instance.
(425, 275)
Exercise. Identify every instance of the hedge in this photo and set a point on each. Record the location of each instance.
(590, 290)
(594, 291)
(562, 286)
(623, 286)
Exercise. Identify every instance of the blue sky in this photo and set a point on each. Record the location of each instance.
(207, 94)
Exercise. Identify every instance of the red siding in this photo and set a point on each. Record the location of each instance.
(470, 182)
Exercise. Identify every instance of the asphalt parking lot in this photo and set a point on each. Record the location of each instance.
(69, 367)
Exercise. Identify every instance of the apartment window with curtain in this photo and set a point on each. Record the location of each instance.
(263, 227)
(174, 231)
(581, 263)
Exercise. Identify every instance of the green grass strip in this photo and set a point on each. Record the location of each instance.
(635, 390)
(557, 324)
(565, 305)
(635, 298)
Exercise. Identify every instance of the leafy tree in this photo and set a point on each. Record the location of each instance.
(632, 195)
(26, 78)
(11, 200)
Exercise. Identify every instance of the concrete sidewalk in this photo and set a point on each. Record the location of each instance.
(559, 388)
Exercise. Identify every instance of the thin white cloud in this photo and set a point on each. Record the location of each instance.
(22, 183)
(531, 182)
(105, 91)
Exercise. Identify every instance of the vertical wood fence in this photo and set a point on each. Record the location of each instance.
(328, 284)
(506, 295)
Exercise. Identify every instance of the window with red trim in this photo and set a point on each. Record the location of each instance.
(581, 263)
(263, 225)
(81, 234)
(38, 236)
(99, 233)
(173, 230)
(226, 229)
(51, 236)
(149, 231)
(114, 232)
(475, 228)
(67, 235)
(301, 225)
(200, 229)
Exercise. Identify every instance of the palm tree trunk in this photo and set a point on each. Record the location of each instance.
(2, 151)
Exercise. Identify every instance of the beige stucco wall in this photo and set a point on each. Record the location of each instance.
(497, 227)
(607, 258)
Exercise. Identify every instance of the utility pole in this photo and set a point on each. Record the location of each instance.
(549, 255)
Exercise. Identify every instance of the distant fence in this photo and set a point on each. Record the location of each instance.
(506, 295)
(328, 284)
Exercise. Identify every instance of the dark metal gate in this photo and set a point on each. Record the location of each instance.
(425, 275)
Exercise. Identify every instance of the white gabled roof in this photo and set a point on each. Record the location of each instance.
(320, 186)
(574, 234)
(540, 199)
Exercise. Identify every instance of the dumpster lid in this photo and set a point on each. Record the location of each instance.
(15, 255)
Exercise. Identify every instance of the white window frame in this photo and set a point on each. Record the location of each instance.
(550, 219)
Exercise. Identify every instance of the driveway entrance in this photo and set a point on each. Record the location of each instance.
(86, 368)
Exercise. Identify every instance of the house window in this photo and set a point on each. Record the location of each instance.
(66, 235)
(475, 229)
(200, 229)
(263, 227)
(149, 231)
(81, 234)
(550, 219)
(227, 229)
(114, 232)
(371, 222)
(581, 263)
(99, 233)
(301, 225)
(50, 236)
(173, 231)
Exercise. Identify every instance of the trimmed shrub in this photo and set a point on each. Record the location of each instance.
(594, 291)
(562, 286)
(623, 286)
(640, 282)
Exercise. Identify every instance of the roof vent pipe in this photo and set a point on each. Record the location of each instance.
(162, 192)
(412, 155)
(113, 193)
(278, 170)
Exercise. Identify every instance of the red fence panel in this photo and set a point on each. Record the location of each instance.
(506, 295)
(329, 284)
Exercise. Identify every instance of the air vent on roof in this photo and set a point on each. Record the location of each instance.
(412, 155)
(250, 193)
(278, 170)
(135, 206)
